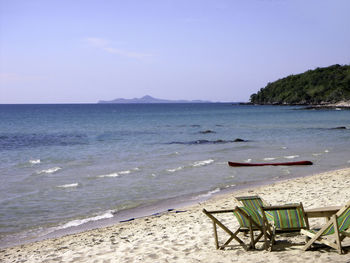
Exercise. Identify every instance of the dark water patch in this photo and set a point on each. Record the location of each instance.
(209, 142)
(119, 135)
(188, 125)
(12, 141)
(207, 131)
(325, 107)
(327, 128)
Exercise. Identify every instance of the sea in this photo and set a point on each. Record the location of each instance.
(68, 168)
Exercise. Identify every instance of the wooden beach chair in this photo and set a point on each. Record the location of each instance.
(335, 230)
(249, 221)
(285, 219)
(254, 201)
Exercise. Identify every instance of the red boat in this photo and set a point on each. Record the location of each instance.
(274, 164)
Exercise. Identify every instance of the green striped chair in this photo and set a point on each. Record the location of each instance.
(249, 221)
(336, 228)
(254, 202)
(286, 218)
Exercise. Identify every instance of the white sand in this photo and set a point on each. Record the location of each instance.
(188, 236)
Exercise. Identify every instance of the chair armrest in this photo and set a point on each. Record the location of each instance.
(218, 211)
(279, 207)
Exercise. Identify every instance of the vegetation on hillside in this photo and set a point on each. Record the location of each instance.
(322, 85)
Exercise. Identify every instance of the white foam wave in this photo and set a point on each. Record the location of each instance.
(284, 147)
(49, 171)
(317, 154)
(207, 194)
(108, 175)
(116, 174)
(326, 151)
(175, 169)
(78, 222)
(291, 156)
(124, 172)
(248, 160)
(202, 163)
(68, 185)
(269, 159)
(34, 161)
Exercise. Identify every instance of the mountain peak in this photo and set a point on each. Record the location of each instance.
(147, 97)
(150, 99)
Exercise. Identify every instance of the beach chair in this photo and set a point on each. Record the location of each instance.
(249, 220)
(254, 201)
(285, 219)
(335, 230)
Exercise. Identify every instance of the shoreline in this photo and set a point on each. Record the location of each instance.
(143, 211)
(155, 235)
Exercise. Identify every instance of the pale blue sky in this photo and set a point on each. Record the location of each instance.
(82, 51)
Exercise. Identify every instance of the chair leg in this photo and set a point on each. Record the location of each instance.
(251, 232)
(337, 236)
(228, 231)
(216, 236)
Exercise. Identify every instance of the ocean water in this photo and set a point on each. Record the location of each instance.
(66, 166)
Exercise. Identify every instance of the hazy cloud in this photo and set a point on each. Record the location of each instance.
(97, 42)
(105, 45)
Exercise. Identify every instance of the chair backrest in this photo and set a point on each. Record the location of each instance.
(243, 214)
(287, 217)
(254, 201)
(343, 220)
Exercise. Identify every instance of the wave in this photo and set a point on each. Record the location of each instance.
(269, 158)
(78, 222)
(208, 194)
(68, 185)
(192, 165)
(202, 163)
(49, 171)
(116, 174)
(291, 156)
(108, 175)
(175, 169)
(34, 161)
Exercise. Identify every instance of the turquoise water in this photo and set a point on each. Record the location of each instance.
(68, 165)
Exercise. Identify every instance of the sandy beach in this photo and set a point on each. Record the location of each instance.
(187, 235)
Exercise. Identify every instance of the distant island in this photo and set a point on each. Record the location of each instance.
(322, 86)
(149, 99)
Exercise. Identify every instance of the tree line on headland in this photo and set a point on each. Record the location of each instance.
(320, 86)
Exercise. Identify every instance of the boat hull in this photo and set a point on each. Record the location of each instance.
(234, 164)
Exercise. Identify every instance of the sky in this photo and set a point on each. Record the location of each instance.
(83, 51)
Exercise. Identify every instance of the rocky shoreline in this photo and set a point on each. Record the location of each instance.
(342, 105)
